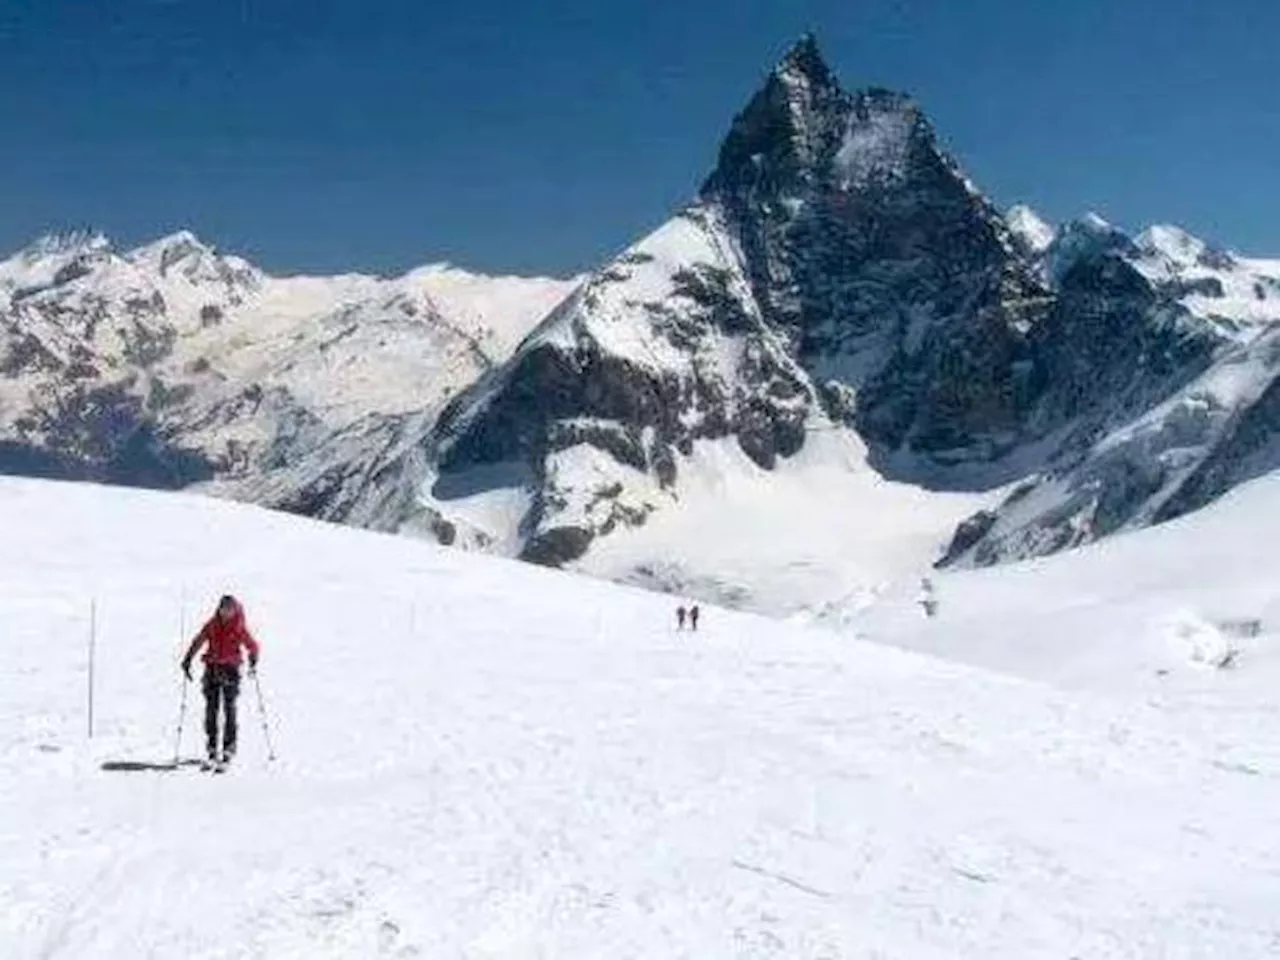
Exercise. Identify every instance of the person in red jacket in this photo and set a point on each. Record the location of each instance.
(223, 637)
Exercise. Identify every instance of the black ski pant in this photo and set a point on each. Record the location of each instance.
(221, 687)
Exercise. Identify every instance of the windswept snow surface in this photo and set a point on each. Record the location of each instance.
(484, 759)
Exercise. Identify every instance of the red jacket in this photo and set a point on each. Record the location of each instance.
(223, 640)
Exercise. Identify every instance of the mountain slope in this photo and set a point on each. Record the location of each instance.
(892, 277)
(483, 758)
(1183, 611)
(1178, 343)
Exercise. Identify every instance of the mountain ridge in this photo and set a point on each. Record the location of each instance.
(838, 304)
(220, 365)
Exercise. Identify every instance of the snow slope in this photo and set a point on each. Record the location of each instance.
(484, 759)
(822, 528)
(1147, 610)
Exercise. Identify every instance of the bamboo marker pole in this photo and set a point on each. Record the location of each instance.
(93, 643)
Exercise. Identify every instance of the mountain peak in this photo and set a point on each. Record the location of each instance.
(64, 243)
(1093, 222)
(805, 60)
(176, 245)
(1182, 250)
(179, 248)
(792, 120)
(184, 255)
(50, 260)
(1084, 238)
(1092, 231)
(1171, 241)
(801, 129)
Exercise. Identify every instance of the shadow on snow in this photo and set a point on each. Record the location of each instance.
(134, 766)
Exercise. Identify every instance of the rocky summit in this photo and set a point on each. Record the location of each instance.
(836, 271)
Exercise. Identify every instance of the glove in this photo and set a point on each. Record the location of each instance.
(186, 668)
(253, 663)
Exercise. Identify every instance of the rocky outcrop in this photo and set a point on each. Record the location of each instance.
(664, 347)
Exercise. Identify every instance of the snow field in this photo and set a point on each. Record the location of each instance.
(1123, 615)
(481, 759)
(821, 528)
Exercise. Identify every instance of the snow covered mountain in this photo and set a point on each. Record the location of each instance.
(839, 298)
(1190, 401)
(836, 273)
(173, 364)
(837, 316)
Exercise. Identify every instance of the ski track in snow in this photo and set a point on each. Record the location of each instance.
(481, 759)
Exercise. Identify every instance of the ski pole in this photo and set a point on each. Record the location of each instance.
(262, 715)
(182, 715)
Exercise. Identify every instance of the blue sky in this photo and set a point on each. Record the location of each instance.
(323, 135)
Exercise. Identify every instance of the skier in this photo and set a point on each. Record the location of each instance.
(928, 599)
(680, 618)
(693, 617)
(222, 636)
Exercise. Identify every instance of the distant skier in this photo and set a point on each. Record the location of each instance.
(928, 600)
(223, 637)
(680, 615)
(693, 617)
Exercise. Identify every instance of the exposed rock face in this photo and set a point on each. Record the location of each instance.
(1112, 346)
(890, 276)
